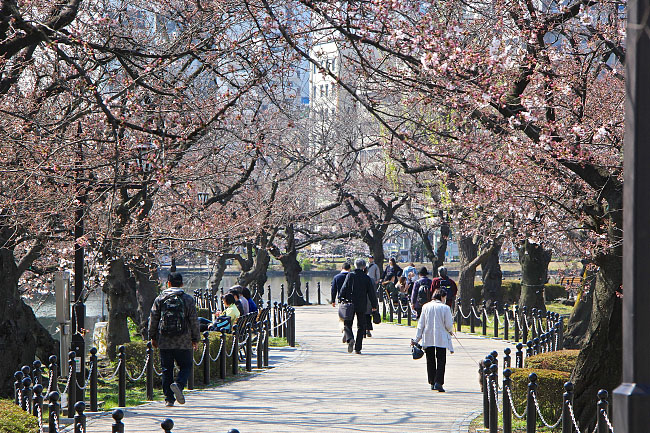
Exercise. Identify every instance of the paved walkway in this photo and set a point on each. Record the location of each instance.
(322, 388)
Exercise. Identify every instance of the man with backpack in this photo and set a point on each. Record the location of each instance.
(444, 282)
(421, 293)
(174, 329)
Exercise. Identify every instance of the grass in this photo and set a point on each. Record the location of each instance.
(518, 425)
(278, 342)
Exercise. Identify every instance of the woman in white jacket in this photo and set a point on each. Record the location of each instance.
(435, 329)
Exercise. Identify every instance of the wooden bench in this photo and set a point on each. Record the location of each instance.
(571, 282)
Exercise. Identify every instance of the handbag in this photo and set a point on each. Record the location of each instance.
(376, 318)
(346, 310)
(416, 351)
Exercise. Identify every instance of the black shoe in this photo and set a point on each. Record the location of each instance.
(368, 334)
(433, 387)
(358, 352)
(350, 346)
(178, 393)
(344, 340)
(438, 387)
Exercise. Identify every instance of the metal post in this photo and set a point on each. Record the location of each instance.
(37, 372)
(506, 321)
(516, 324)
(471, 317)
(72, 379)
(307, 292)
(55, 411)
(149, 372)
(507, 404)
(190, 378)
(37, 408)
(383, 310)
(531, 411)
(249, 347)
(26, 404)
(318, 287)
(567, 399)
(121, 377)
(275, 319)
(560, 337)
(399, 312)
(292, 320)
(459, 315)
(167, 425)
(484, 316)
(390, 309)
(80, 418)
(529, 349)
(269, 293)
(281, 293)
(222, 356)
(506, 357)
(118, 425)
(603, 404)
(494, 411)
(519, 356)
(524, 332)
(496, 319)
(537, 350)
(533, 329)
(409, 312)
(235, 351)
(267, 334)
(486, 398)
(260, 345)
(18, 387)
(206, 358)
(54, 372)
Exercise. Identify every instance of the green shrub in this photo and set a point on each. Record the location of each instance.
(136, 355)
(512, 290)
(205, 313)
(306, 264)
(550, 388)
(554, 291)
(561, 360)
(14, 420)
(215, 342)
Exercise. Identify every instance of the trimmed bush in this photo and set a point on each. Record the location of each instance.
(204, 312)
(550, 388)
(15, 420)
(561, 360)
(215, 342)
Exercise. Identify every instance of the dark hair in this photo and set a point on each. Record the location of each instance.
(392, 260)
(423, 271)
(234, 292)
(439, 294)
(175, 279)
(402, 279)
(246, 292)
(347, 266)
(229, 299)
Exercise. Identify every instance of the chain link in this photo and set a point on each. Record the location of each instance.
(475, 313)
(496, 396)
(512, 404)
(232, 348)
(609, 424)
(113, 375)
(198, 364)
(39, 415)
(573, 417)
(153, 364)
(90, 370)
(539, 412)
(216, 358)
(56, 422)
(144, 369)
(460, 309)
(67, 385)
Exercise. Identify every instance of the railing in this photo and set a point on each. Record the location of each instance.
(531, 412)
(31, 399)
(396, 308)
(210, 299)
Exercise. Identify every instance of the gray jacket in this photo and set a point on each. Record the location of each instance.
(183, 341)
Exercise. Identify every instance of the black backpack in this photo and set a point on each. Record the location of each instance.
(446, 284)
(172, 315)
(424, 291)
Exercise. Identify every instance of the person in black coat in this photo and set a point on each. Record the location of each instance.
(358, 289)
(337, 282)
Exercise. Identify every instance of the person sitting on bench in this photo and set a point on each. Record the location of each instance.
(228, 317)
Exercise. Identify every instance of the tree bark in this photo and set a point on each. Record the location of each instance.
(376, 246)
(492, 278)
(468, 251)
(599, 363)
(439, 258)
(256, 275)
(534, 260)
(120, 289)
(581, 315)
(218, 269)
(147, 289)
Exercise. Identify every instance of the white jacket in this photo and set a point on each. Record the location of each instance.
(435, 326)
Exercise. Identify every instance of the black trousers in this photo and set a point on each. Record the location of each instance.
(361, 329)
(436, 360)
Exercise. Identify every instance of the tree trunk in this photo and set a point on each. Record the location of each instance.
(376, 247)
(292, 270)
(439, 259)
(492, 277)
(256, 275)
(599, 364)
(468, 251)
(120, 289)
(218, 269)
(534, 260)
(581, 314)
(148, 288)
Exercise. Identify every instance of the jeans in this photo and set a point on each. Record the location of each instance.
(183, 358)
(436, 373)
(361, 329)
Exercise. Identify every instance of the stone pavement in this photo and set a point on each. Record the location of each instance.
(319, 387)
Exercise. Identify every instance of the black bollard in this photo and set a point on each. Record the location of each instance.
(72, 386)
(307, 293)
(267, 335)
(222, 356)
(93, 379)
(318, 287)
(26, 404)
(37, 407)
(18, 387)
(269, 293)
(494, 410)
(494, 354)
(516, 322)
(519, 356)
(80, 418)
(118, 425)
(27, 372)
(259, 352)
(235, 352)
(292, 323)
(281, 293)
(55, 411)
(390, 309)
(531, 412)
(409, 312)
(233, 430)
(206, 358)
(167, 425)
(536, 347)
(471, 316)
(459, 315)
(506, 357)
(285, 319)
(507, 404)
(486, 398)
(383, 310)
(567, 399)
(37, 372)
(121, 378)
(484, 318)
(399, 312)
(249, 347)
(190, 378)
(533, 318)
(53, 375)
(602, 405)
(150, 373)
(524, 331)
(496, 319)
(529, 349)
(506, 321)
(275, 319)
(560, 333)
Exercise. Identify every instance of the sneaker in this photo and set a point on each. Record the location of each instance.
(178, 393)
(350, 346)
(169, 403)
(368, 334)
(438, 387)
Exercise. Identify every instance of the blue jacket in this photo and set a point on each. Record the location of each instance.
(252, 306)
(337, 283)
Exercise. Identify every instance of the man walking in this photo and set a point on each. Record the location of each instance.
(446, 283)
(357, 289)
(174, 328)
(337, 282)
(421, 294)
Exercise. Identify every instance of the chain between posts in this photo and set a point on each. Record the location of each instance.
(216, 358)
(573, 417)
(205, 349)
(609, 424)
(67, 385)
(232, 348)
(514, 411)
(144, 369)
(112, 376)
(90, 371)
(541, 417)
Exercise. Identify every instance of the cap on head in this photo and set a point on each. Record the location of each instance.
(442, 271)
(423, 271)
(175, 279)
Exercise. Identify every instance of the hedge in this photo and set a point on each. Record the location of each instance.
(512, 290)
(561, 360)
(550, 388)
(136, 354)
(15, 420)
